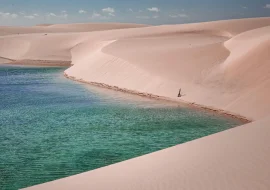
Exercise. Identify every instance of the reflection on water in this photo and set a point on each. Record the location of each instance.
(51, 127)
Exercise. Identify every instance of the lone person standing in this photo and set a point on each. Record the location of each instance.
(179, 94)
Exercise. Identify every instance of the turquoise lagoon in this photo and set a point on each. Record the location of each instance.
(51, 127)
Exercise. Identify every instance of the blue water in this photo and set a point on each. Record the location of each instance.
(51, 127)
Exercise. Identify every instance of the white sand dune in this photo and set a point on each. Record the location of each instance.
(223, 65)
(58, 28)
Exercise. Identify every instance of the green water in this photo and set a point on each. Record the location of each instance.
(51, 127)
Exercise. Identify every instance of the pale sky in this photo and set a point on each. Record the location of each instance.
(32, 12)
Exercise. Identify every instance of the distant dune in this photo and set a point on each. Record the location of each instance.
(64, 28)
(222, 65)
(43, 24)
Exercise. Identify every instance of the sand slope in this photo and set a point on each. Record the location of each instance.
(223, 65)
(196, 58)
(49, 42)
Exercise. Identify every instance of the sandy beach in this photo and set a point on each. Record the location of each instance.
(221, 65)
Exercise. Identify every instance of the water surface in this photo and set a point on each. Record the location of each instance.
(51, 127)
